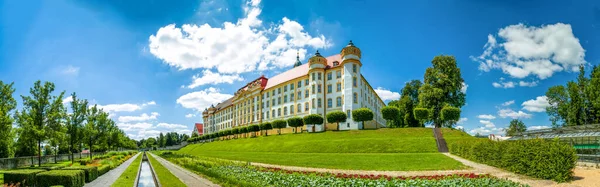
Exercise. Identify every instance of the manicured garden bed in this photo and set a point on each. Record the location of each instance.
(229, 173)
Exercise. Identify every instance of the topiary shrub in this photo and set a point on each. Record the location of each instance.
(23, 177)
(295, 122)
(362, 115)
(279, 124)
(336, 117)
(265, 127)
(422, 114)
(66, 178)
(103, 169)
(450, 113)
(540, 158)
(91, 172)
(390, 113)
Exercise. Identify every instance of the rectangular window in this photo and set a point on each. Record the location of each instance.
(313, 76)
(292, 86)
(313, 89)
(319, 88)
(278, 112)
(338, 74)
(329, 103)
(267, 103)
(279, 100)
(278, 90)
(291, 109)
(329, 76)
(306, 107)
(338, 101)
(339, 87)
(348, 114)
(299, 108)
(329, 88)
(284, 88)
(299, 84)
(273, 93)
(319, 102)
(284, 111)
(313, 103)
(354, 81)
(355, 97)
(319, 75)
(299, 95)
(285, 99)
(291, 96)
(306, 82)
(354, 68)
(306, 94)
(273, 111)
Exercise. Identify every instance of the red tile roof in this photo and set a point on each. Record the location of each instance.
(199, 128)
(298, 72)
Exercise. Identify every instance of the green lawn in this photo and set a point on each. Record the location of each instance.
(165, 177)
(127, 179)
(401, 149)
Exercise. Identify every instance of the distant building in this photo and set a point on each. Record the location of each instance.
(322, 85)
(498, 137)
(198, 129)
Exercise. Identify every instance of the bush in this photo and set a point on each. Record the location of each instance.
(540, 158)
(103, 169)
(295, 122)
(66, 178)
(266, 126)
(450, 113)
(421, 114)
(25, 177)
(362, 114)
(279, 124)
(390, 113)
(313, 119)
(91, 172)
(336, 117)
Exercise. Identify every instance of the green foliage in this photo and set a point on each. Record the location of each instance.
(577, 103)
(235, 131)
(103, 169)
(313, 119)
(421, 114)
(442, 87)
(451, 114)
(165, 176)
(362, 114)
(295, 122)
(335, 117)
(265, 127)
(91, 172)
(66, 178)
(392, 114)
(279, 124)
(540, 158)
(25, 177)
(127, 178)
(515, 127)
(7, 105)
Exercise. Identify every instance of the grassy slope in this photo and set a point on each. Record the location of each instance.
(407, 149)
(165, 177)
(128, 177)
(455, 135)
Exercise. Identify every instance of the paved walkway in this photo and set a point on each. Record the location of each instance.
(109, 178)
(188, 178)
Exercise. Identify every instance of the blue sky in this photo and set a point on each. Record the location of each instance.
(154, 64)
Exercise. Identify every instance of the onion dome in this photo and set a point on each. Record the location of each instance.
(298, 63)
(350, 49)
(317, 59)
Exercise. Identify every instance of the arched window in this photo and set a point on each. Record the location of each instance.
(285, 110)
(338, 101)
(299, 107)
(329, 103)
(306, 107)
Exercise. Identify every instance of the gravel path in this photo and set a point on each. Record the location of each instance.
(188, 178)
(109, 178)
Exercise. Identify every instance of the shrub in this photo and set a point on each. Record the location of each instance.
(25, 177)
(279, 124)
(450, 113)
(390, 113)
(295, 122)
(235, 131)
(91, 172)
(540, 158)
(313, 119)
(336, 117)
(66, 178)
(422, 114)
(362, 115)
(103, 169)
(254, 128)
(266, 126)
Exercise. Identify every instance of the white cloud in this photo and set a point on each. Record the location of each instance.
(537, 127)
(208, 77)
(486, 131)
(143, 117)
(487, 123)
(201, 100)
(386, 95)
(464, 88)
(70, 70)
(486, 116)
(538, 104)
(67, 100)
(502, 84)
(171, 126)
(460, 127)
(129, 127)
(532, 51)
(508, 103)
(126, 107)
(528, 84)
(190, 115)
(462, 121)
(504, 113)
(234, 48)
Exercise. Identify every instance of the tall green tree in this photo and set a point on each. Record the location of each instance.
(576, 107)
(92, 126)
(593, 94)
(7, 106)
(442, 87)
(37, 108)
(75, 123)
(515, 127)
(558, 98)
(55, 128)
(161, 140)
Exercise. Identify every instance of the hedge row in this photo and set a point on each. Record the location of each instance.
(540, 158)
(91, 172)
(23, 177)
(66, 178)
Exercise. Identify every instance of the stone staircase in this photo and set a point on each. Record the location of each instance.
(439, 139)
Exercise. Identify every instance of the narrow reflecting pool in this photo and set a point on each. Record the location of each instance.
(146, 179)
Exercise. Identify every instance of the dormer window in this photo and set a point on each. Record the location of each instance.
(336, 63)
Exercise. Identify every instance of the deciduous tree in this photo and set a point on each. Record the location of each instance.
(516, 126)
(362, 115)
(7, 106)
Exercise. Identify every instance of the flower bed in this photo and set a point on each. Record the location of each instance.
(237, 174)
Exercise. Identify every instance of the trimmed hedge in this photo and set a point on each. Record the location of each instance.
(362, 114)
(103, 169)
(313, 119)
(91, 172)
(25, 177)
(66, 178)
(540, 158)
(450, 113)
(421, 114)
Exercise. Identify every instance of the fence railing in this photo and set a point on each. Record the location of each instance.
(17, 162)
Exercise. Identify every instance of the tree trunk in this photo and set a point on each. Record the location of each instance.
(91, 149)
(56, 155)
(40, 153)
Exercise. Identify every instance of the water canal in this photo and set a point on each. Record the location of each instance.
(146, 176)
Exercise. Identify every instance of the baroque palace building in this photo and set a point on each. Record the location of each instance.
(323, 85)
